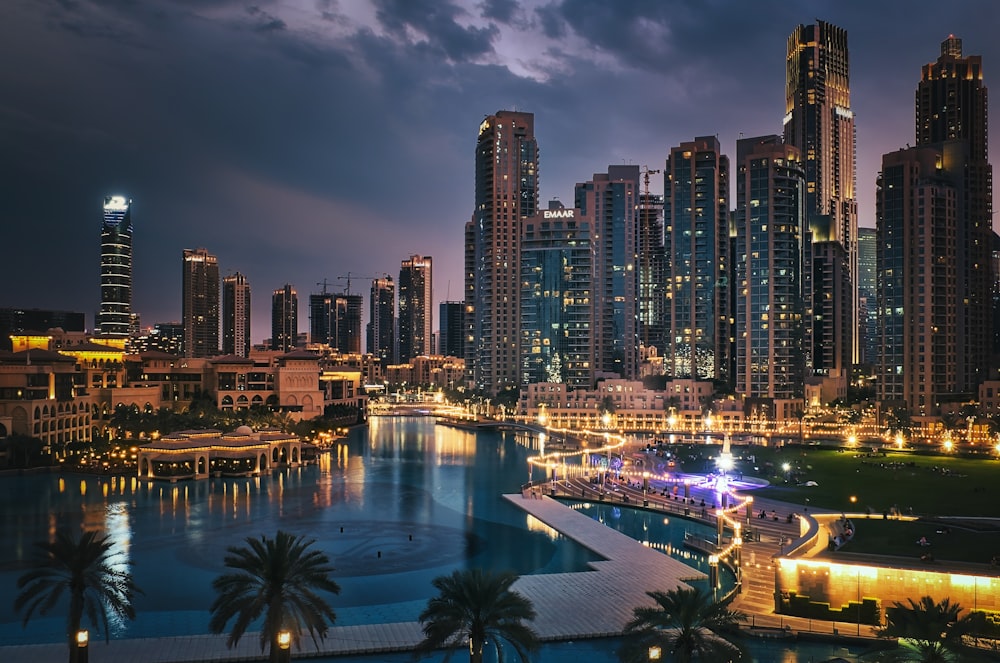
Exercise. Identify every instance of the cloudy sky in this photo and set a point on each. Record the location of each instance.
(303, 140)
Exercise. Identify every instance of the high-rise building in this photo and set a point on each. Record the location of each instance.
(770, 193)
(382, 320)
(416, 312)
(451, 339)
(651, 266)
(820, 123)
(236, 315)
(867, 307)
(200, 303)
(335, 320)
(116, 267)
(284, 318)
(920, 207)
(951, 104)
(611, 202)
(696, 243)
(556, 308)
(506, 192)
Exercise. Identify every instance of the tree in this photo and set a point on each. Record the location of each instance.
(277, 579)
(83, 570)
(688, 624)
(476, 607)
(928, 631)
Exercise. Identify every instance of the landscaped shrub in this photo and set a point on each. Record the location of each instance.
(867, 612)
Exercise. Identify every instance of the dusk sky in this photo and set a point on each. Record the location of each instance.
(302, 140)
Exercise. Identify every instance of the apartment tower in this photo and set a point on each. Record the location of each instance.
(382, 320)
(236, 315)
(696, 244)
(506, 193)
(416, 312)
(284, 318)
(819, 122)
(200, 303)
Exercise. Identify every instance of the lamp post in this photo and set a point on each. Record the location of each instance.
(81, 652)
(284, 646)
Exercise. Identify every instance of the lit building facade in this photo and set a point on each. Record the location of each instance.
(867, 308)
(951, 104)
(556, 298)
(506, 192)
(696, 244)
(284, 318)
(651, 265)
(200, 303)
(335, 320)
(820, 123)
(416, 308)
(382, 320)
(236, 315)
(116, 267)
(611, 201)
(770, 191)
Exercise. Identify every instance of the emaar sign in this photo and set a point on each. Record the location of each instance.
(557, 214)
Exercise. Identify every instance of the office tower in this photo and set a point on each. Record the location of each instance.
(451, 339)
(506, 192)
(820, 123)
(284, 318)
(651, 264)
(920, 207)
(611, 201)
(236, 315)
(349, 323)
(200, 303)
(696, 243)
(116, 267)
(770, 193)
(951, 104)
(416, 312)
(556, 308)
(335, 320)
(867, 307)
(382, 320)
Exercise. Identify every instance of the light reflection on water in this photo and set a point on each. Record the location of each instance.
(394, 505)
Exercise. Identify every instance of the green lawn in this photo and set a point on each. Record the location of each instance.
(929, 485)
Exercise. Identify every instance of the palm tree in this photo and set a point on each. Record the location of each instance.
(277, 579)
(687, 623)
(928, 631)
(86, 572)
(475, 607)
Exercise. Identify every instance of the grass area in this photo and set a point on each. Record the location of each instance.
(931, 486)
(899, 538)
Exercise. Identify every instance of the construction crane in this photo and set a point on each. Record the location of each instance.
(323, 283)
(646, 172)
(347, 277)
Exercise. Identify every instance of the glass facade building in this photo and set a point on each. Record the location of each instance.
(696, 245)
(200, 303)
(382, 320)
(416, 312)
(556, 298)
(236, 315)
(284, 318)
(116, 267)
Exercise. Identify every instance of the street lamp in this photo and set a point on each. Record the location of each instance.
(654, 653)
(284, 646)
(82, 649)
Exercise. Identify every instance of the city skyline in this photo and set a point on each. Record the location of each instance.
(229, 130)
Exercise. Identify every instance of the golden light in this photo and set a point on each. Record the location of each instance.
(852, 439)
(948, 445)
(899, 440)
(655, 653)
(284, 639)
(82, 638)
(854, 499)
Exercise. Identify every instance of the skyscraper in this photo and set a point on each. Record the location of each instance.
(284, 318)
(556, 309)
(611, 202)
(116, 267)
(951, 104)
(335, 320)
(820, 123)
(236, 315)
(416, 312)
(651, 266)
(506, 192)
(382, 320)
(867, 306)
(920, 208)
(200, 303)
(696, 244)
(770, 192)
(451, 339)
